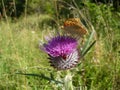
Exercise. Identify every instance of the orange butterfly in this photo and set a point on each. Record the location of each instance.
(74, 26)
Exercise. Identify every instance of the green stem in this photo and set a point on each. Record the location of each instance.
(68, 81)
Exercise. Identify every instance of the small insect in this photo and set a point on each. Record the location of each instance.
(74, 26)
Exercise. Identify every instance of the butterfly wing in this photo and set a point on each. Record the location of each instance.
(74, 26)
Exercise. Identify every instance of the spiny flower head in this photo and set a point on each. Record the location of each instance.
(60, 46)
(63, 52)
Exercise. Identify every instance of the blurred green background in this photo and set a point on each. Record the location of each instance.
(24, 23)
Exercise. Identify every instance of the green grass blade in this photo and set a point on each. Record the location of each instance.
(86, 46)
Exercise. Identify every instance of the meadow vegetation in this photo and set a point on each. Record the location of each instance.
(23, 66)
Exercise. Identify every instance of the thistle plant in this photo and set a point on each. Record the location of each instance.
(64, 54)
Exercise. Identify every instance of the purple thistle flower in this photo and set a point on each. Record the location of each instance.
(62, 51)
(60, 46)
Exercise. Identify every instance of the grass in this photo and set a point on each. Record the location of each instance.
(19, 52)
(24, 67)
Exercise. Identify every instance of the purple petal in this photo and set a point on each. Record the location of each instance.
(60, 46)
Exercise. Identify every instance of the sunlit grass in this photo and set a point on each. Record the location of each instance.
(19, 52)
